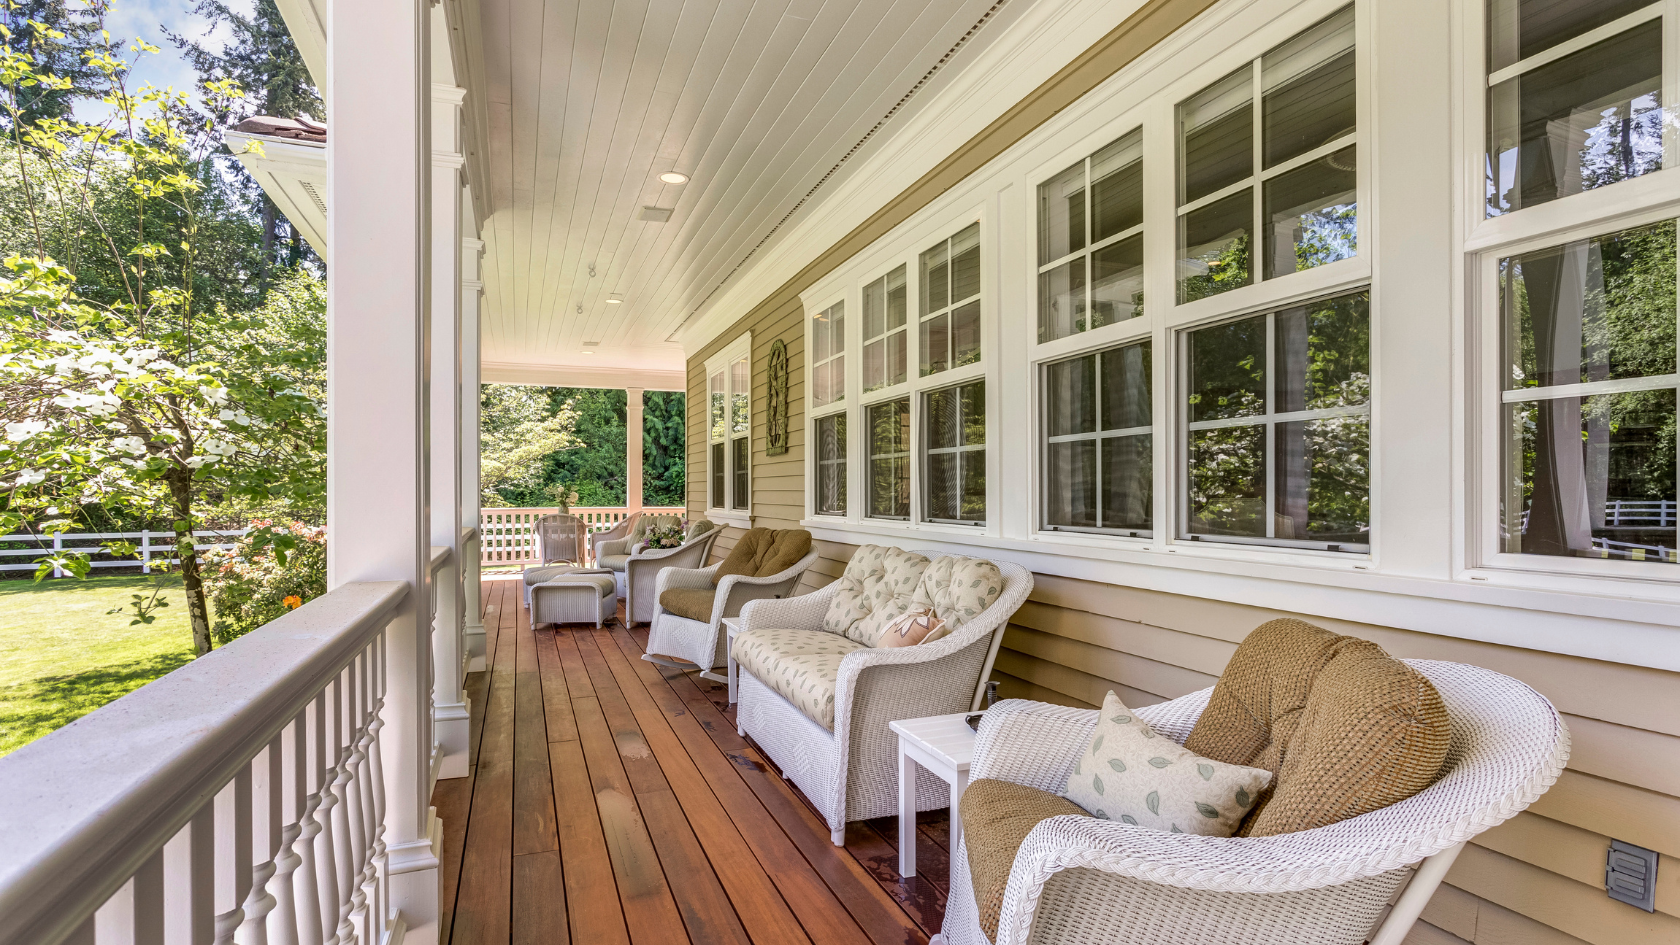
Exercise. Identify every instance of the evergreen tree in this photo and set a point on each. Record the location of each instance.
(58, 39)
(264, 61)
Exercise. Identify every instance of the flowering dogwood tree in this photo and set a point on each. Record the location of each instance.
(152, 401)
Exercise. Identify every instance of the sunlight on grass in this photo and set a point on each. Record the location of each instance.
(62, 656)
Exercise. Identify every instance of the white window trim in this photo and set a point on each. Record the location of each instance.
(1421, 574)
(724, 513)
(813, 413)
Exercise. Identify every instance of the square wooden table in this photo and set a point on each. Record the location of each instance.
(944, 745)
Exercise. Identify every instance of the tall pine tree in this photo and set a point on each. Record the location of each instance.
(58, 35)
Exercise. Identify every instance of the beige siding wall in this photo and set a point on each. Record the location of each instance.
(1536, 880)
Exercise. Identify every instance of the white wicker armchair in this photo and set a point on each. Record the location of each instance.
(641, 572)
(703, 643)
(851, 773)
(615, 533)
(1079, 879)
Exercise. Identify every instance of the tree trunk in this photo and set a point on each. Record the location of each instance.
(192, 576)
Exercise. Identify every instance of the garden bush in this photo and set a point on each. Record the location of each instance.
(249, 585)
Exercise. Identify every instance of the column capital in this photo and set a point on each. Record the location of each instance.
(448, 94)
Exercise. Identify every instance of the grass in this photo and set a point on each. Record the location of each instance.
(62, 655)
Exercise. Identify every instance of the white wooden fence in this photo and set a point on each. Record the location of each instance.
(151, 545)
(507, 539)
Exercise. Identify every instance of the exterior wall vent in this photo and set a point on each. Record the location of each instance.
(1630, 875)
(654, 214)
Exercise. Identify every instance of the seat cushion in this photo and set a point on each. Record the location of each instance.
(603, 582)
(538, 575)
(1257, 702)
(996, 818)
(957, 589)
(802, 666)
(876, 587)
(761, 552)
(1374, 732)
(613, 562)
(695, 603)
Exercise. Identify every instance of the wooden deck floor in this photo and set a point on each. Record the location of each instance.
(610, 801)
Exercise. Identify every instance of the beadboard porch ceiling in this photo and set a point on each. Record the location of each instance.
(761, 104)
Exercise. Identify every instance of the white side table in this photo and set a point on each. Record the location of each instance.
(734, 625)
(944, 745)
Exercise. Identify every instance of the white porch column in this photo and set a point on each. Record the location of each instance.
(378, 170)
(449, 703)
(633, 448)
(472, 290)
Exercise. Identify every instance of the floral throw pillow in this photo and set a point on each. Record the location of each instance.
(1134, 775)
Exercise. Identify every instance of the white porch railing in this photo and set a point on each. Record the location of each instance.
(508, 540)
(150, 545)
(239, 798)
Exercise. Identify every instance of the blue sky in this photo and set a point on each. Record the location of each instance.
(147, 19)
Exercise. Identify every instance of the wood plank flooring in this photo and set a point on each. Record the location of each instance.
(610, 800)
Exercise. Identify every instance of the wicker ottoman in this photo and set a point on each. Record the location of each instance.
(574, 598)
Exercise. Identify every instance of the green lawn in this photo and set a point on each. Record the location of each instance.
(62, 656)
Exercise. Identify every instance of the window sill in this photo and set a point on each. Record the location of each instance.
(1503, 609)
(732, 517)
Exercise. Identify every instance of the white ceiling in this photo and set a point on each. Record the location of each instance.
(589, 101)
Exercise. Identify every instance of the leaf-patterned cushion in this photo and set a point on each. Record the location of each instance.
(958, 588)
(877, 586)
(1131, 774)
(802, 666)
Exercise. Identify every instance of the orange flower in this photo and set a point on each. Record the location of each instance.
(293, 601)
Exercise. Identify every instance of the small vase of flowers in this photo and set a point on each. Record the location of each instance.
(664, 537)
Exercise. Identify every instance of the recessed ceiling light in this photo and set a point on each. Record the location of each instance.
(672, 177)
(588, 352)
(614, 299)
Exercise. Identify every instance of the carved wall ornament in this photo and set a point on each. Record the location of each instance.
(777, 441)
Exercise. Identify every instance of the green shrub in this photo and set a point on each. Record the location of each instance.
(248, 586)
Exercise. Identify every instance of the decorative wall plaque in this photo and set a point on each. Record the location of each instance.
(777, 441)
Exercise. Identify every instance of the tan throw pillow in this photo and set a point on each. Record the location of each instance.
(1131, 774)
(912, 627)
(996, 818)
(1374, 732)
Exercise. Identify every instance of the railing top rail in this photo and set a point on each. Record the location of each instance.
(87, 804)
(440, 557)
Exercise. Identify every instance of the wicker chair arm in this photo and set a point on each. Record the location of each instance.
(804, 612)
(737, 590)
(698, 578)
(612, 546)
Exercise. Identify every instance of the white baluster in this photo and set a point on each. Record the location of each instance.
(326, 859)
(189, 882)
(266, 780)
(367, 882)
(310, 923)
(355, 903)
(376, 784)
(294, 765)
(232, 867)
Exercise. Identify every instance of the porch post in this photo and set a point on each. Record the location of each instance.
(378, 176)
(472, 290)
(633, 448)
(449, 705)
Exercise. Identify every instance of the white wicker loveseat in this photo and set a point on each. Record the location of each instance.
(642, 568)
(702, 642)
(1079, 879)
(851, 772)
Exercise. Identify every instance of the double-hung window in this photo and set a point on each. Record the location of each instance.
(1277, 411)
(886, 338)
(888, 433)
(954, 450)
(1274, 144)
(828, 403)
(1588, 399)
(1098, 447)
(1090, 241)
(950, 302)
(1574, 97)
(729, 427)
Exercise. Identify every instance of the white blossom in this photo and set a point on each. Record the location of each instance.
(29, 477)
(24, 429)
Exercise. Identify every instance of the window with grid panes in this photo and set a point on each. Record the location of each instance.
(1282, 160)
(828, 355)
(1090, 241)
(954, 454)
(1574, 96)
(1277, 438)
(716, 438)
(740, 432)
(1098, 449)
(888, 479)
(950, 302)
(886, 337)
(1588, 398)
(830, 479)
